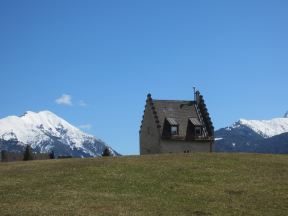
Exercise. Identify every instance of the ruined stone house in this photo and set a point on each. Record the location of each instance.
(176, 126)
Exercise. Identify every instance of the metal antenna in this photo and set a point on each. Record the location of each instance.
(194, 88)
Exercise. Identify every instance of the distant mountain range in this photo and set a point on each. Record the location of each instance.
(44, 131)
(258, 136)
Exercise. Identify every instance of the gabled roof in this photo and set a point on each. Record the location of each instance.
(195, 121)
(172, 121)
(180, 111)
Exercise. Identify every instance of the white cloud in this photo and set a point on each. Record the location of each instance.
(65, 99)
(85, 126)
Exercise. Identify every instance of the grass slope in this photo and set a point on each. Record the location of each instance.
(193, 184)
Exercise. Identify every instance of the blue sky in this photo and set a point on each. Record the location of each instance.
(107, 55)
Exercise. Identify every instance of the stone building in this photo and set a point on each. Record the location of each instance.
(176, 126)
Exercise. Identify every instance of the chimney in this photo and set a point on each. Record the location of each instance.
(197, 97)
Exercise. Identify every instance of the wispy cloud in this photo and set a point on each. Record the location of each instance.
(65, 99)
(85, 126)
(82, 103)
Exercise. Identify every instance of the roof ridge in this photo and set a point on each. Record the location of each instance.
(173, 100)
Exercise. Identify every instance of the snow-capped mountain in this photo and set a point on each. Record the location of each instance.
(263, 136)
(265, 128)
(45, 132)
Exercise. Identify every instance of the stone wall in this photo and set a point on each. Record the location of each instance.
(174, 146)
(149, 134)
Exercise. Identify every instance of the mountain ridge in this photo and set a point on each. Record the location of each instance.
(259, 136)
(45, 131)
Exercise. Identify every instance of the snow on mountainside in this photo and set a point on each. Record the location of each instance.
(258, 136)
(45, 131)
(32, 128)
(265, 128)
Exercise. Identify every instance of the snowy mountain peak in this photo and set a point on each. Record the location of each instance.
(32, 125)
(286, 115)
(45, 130)
(265, 128)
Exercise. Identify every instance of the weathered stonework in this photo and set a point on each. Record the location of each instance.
(159, 115)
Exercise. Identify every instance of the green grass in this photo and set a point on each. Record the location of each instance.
(192, 184)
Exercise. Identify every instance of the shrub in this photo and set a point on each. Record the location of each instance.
(106, 152)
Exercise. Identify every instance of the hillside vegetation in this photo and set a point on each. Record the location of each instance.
(191, 184)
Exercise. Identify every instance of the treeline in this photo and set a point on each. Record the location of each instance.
(28, 154)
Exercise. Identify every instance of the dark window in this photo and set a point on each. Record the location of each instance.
(174, 130)
(194, 129)
(198, 131)
(171, 128)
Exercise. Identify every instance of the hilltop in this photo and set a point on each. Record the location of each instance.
(191, 184)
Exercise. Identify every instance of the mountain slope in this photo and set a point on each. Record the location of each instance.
(45, 131)
(274, 145)
(261, 136)
(235, 139)
(266, 128)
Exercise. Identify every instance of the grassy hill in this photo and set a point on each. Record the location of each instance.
(192, 184)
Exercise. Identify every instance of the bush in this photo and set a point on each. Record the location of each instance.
(106, 152)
